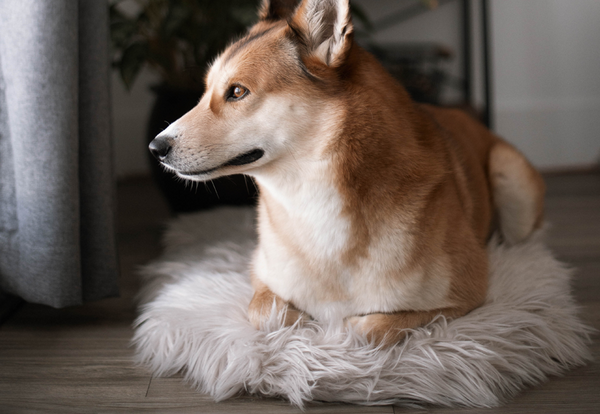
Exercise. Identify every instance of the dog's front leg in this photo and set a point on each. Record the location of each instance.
(391, 328)
(265, 301)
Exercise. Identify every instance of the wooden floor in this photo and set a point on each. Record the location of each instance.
(79, 360)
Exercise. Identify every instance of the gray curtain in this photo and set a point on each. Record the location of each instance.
(57, 195)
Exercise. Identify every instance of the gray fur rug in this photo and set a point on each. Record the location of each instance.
(193, 320)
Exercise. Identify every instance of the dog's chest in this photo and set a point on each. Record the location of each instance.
(302, 257)
(307, 219)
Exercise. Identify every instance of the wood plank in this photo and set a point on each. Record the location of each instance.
(30, 383)
(175, 389)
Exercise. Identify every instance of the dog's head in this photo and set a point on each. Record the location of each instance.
(268, 95)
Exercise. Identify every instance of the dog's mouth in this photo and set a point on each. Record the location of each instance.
(242, 159)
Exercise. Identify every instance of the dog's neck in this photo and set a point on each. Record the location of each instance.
(309, 206)
(371, 154)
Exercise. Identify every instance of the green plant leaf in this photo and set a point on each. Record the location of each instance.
(115, 14)
(177, 15)
(132, 61)
(175, 37)
(122, 33)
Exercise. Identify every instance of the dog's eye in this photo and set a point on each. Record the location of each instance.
(236, 92)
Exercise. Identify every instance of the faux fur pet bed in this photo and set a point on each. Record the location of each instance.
(193, 320)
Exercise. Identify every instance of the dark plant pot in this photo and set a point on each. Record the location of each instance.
(183, 196)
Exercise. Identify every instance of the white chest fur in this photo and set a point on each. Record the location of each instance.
(302, 255)
(311, 212)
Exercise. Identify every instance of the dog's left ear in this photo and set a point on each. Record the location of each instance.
(326, 28)
(277, 9)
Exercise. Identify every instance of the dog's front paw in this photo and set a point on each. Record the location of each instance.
(258, 316)
(376, 328)
(261, 309)
(293, 315)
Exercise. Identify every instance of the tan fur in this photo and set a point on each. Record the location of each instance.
(373, 209)
(264, 302)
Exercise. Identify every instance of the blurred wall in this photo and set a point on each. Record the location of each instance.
(441, 25)
(130, 115)
(546, 70)
(547, 79)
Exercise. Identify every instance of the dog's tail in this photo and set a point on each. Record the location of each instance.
(518, 191)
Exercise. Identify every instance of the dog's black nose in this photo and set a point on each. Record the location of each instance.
(160, 147)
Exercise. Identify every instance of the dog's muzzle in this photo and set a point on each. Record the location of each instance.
(161, 147)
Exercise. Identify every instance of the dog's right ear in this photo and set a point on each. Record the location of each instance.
(325, 29)
(272, 10)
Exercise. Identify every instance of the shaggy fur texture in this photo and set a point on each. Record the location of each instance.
(193, 320)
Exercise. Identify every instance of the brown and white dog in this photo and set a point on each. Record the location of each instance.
(373, 209)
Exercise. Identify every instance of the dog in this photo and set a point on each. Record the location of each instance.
(373, 210)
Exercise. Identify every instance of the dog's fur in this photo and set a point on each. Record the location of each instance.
(373, 209)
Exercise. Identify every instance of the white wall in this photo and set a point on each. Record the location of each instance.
(547, 79)
(546, 57)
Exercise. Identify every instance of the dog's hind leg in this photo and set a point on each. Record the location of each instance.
(518, 192)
